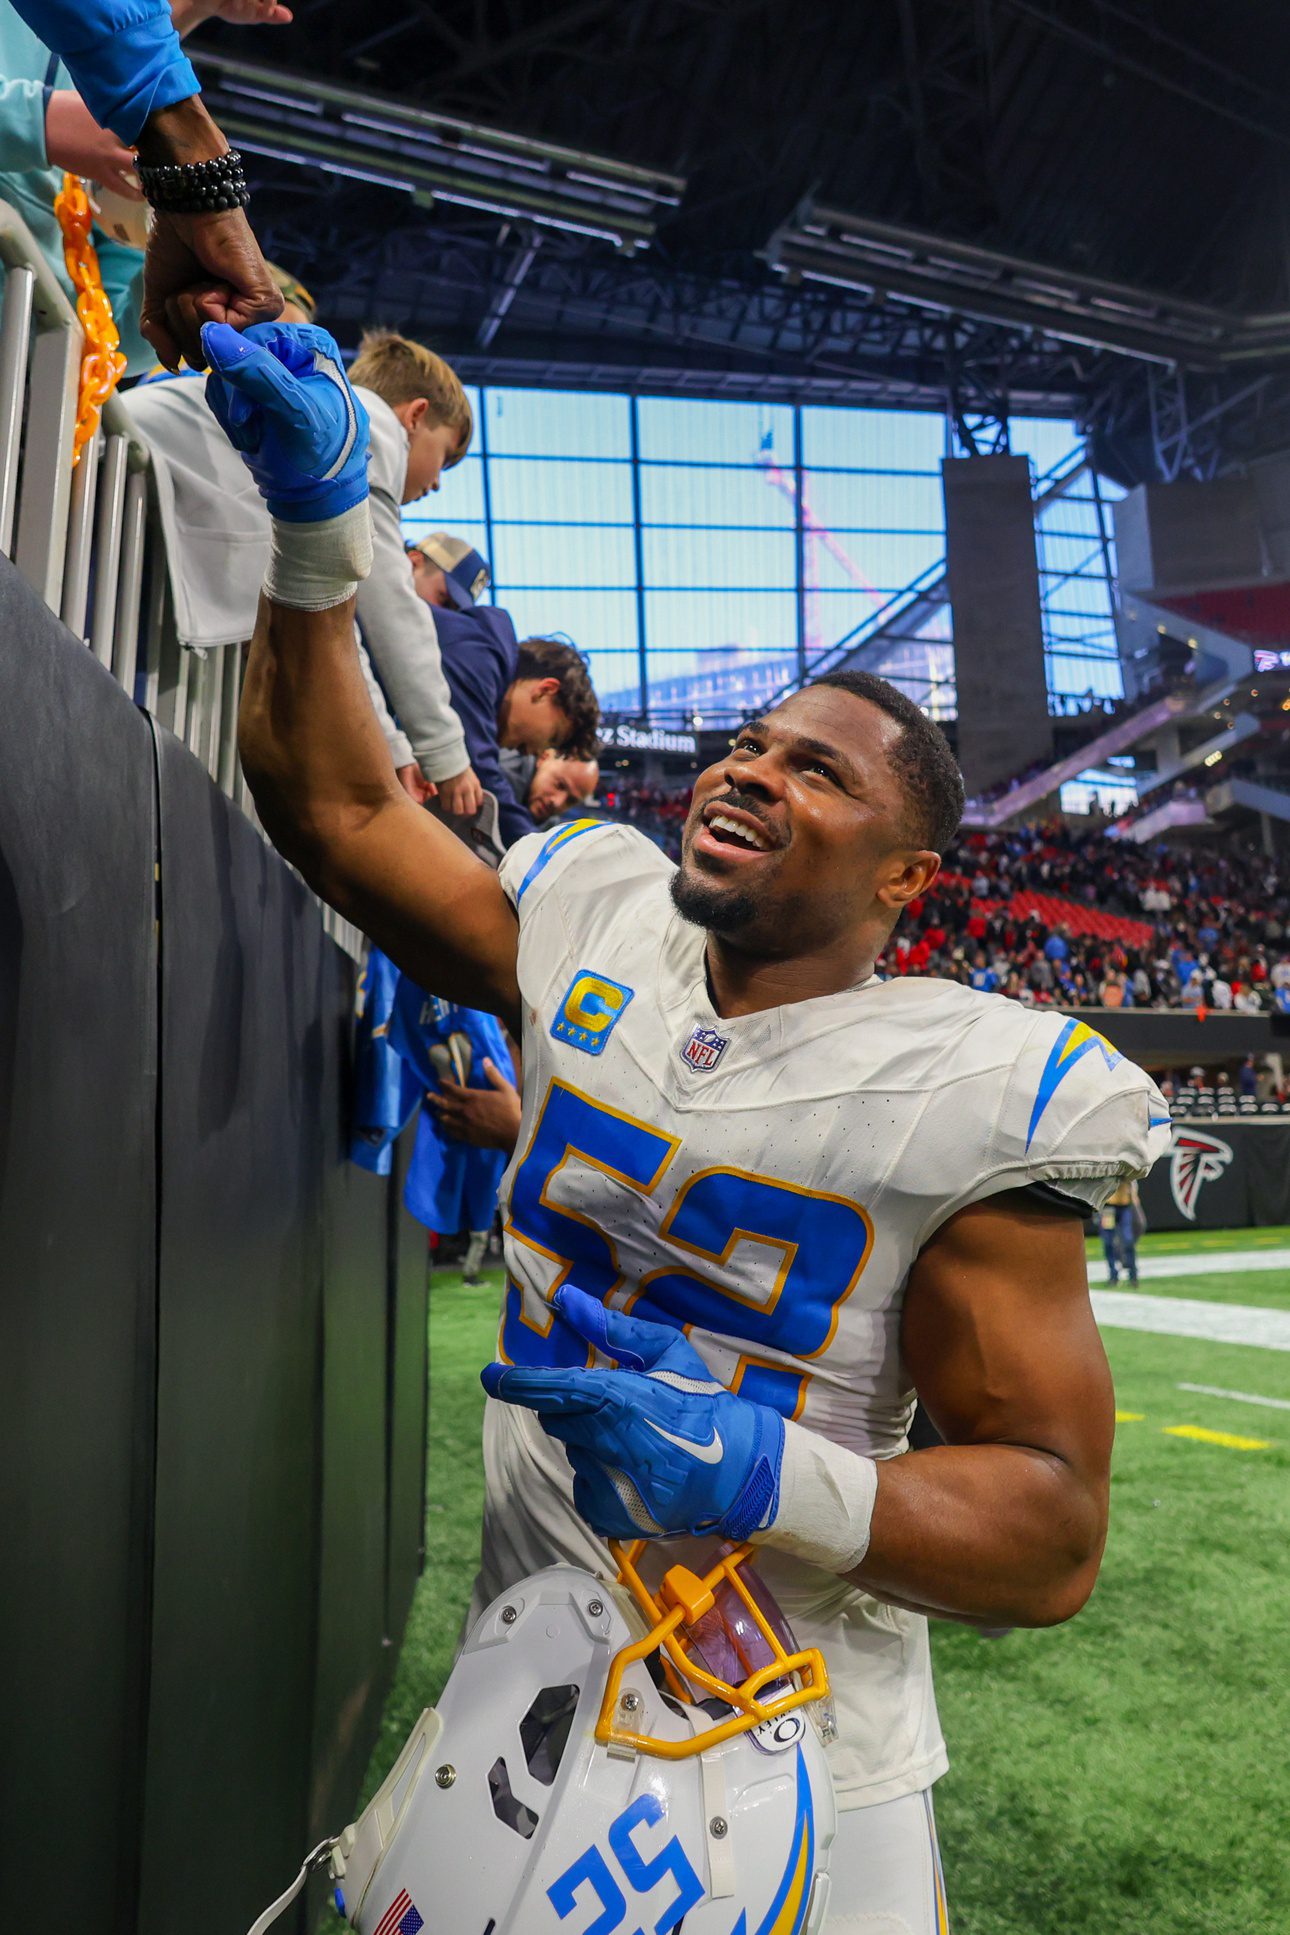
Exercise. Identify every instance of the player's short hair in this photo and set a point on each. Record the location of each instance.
(921, 758)
(402, 372)
(556, 658)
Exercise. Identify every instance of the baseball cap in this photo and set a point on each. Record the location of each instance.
(465, 572)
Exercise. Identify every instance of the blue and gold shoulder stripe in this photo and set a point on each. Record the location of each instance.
(552, 845)
(1072, 1044)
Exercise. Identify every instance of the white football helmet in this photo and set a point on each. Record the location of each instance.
(606, 1759)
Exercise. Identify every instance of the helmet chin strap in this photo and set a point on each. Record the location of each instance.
(320, 1855)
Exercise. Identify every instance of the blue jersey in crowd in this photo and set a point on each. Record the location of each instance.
(407, 1041)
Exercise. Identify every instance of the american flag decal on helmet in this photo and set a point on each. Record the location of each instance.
(401, 1917)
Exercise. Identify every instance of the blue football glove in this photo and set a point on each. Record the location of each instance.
(658, 1447)
(279, 392)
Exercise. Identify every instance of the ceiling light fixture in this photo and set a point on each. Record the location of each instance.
(305, 120)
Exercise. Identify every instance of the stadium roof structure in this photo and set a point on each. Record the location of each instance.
(1076, 206)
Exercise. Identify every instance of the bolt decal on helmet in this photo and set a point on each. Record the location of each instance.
(612, 1758)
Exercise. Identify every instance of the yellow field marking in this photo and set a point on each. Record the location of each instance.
(1129, 1417)
(1228, 1438)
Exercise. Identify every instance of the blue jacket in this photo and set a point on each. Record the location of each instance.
(28, 74)
(479, 653)
(124, 56)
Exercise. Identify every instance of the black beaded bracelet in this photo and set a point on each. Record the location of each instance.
(195, 187)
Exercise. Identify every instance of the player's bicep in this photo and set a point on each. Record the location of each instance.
(1000, 1338)
(432, 906)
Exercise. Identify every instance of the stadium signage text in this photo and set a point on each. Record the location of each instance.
(650, 739)
(1270, 661)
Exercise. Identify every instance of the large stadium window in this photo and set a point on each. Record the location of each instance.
(704, 553)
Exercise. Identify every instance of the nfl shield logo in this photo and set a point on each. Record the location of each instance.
(704, 1049)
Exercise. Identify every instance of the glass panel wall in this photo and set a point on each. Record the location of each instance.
(705, 554)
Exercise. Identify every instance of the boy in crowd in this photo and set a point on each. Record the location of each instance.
(526, 696)
(516, 701)
(421, 425)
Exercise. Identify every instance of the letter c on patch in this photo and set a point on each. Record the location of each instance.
(590, 1011)
(593, 1003)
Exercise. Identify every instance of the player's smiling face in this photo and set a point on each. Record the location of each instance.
(792, 837)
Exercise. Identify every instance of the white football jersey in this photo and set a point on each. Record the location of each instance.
(767, 1183)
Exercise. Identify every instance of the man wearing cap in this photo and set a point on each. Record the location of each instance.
(447, 572)
(526, 697)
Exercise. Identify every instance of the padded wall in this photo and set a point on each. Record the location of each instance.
(240, 1365)
(408, 1388)
(1221, 1173)
(354, 1662)
(77, 1266)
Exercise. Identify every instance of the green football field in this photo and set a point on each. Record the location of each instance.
(1126, 1774)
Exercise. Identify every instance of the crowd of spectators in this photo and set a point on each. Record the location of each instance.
(1119, 925)
(1054, 917)
(653, 810)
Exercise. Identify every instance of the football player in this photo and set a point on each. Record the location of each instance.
(760, 1196)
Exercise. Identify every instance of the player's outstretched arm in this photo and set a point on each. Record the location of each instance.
(1005, 1523)
(312, 751)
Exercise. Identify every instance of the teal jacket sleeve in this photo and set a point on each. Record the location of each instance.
(122, 272)
(22, 127)
(124, 56)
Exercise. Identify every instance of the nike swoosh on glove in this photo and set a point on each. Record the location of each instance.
(657, 1447)
(279, 392)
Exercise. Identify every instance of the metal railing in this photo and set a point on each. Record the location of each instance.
(87, 537)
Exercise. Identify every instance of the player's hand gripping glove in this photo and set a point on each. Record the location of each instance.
(280, 394)
(658, 1446)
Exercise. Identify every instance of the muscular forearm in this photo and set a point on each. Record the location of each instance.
(311, 748)
(997, 1534)
(320, 773)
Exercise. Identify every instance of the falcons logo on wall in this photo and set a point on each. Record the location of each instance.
(1196, 1159)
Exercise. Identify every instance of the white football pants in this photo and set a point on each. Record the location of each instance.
(885, 1871)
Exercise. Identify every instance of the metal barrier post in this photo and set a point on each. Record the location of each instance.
(107, 547)
(133, 533)
(15, 336)
(46, 487)
(80, 536)
(226, 776)
(155, 628)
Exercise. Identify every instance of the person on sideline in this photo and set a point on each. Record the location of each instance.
(1119, 1224)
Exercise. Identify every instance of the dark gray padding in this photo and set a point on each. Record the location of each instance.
(77, 1283)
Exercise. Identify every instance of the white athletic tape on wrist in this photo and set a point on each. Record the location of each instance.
(315, 566)
(826, 1497)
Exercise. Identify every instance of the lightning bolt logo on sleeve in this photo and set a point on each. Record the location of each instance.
(1073, 1043)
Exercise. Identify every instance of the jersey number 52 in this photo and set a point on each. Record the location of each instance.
(823, 1243)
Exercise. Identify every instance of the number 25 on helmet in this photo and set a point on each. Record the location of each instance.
(610, 1759)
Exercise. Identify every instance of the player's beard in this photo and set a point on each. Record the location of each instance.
(718, 909)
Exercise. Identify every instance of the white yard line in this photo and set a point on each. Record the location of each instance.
(1238, 1397)
(1221, 1323)
(1200, 1265)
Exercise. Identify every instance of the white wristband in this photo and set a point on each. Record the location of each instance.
(826, 1497)
(315, 566)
